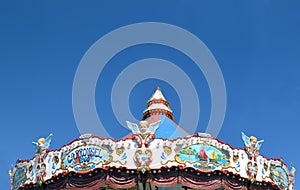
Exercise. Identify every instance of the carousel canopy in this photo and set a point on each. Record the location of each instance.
(157, 153)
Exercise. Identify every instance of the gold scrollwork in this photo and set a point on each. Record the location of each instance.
(30, 168)
(266, 166)
(109, 160)
(56, 160)
(235, 158)
(118, 161)
(166, 162)
(167, 150)
(120, 150)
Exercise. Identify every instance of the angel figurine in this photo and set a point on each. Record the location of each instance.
(252, 146)
(292, 175)
(144, 133)
(42, 146)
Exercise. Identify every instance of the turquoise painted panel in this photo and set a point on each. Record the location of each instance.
(280, 177)
(203, 153)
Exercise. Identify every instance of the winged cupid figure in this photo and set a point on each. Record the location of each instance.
(42, 146)
(252, 146)
(143, 133)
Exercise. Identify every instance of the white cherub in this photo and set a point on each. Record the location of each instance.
(143, 128)
(252, 146)
(143, 133)
(42, 145)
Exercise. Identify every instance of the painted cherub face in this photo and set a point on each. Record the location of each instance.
(253, 141)
(143, 127)
(41, 143)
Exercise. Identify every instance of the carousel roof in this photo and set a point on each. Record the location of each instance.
(158, 105)
(157, 153)
(157, 95)
(168, 128)
(158, 109)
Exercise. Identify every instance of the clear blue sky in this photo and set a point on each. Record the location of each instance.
(256, 44)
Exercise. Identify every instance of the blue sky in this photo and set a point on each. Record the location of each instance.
(256, 44)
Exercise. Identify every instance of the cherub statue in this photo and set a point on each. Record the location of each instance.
(293, 170)
(252, 146)
(42, 146)
(292, 175)
(143, 133)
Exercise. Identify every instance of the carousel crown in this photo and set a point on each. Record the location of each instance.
(151, 154)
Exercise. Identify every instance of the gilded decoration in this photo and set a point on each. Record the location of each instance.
(143, 159)
(120, 150)
(235, 158)
(167, 150)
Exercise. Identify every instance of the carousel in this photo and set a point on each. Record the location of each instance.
(158, 154)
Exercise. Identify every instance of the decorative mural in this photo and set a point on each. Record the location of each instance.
(205, 155)
(279, 176)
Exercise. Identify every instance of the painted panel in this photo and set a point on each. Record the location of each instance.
(279, 176)
(19, 177)
(203, 154)
(85, 158)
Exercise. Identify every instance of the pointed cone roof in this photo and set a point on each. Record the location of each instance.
(158, 105)
(158, 109)
(158, 95)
